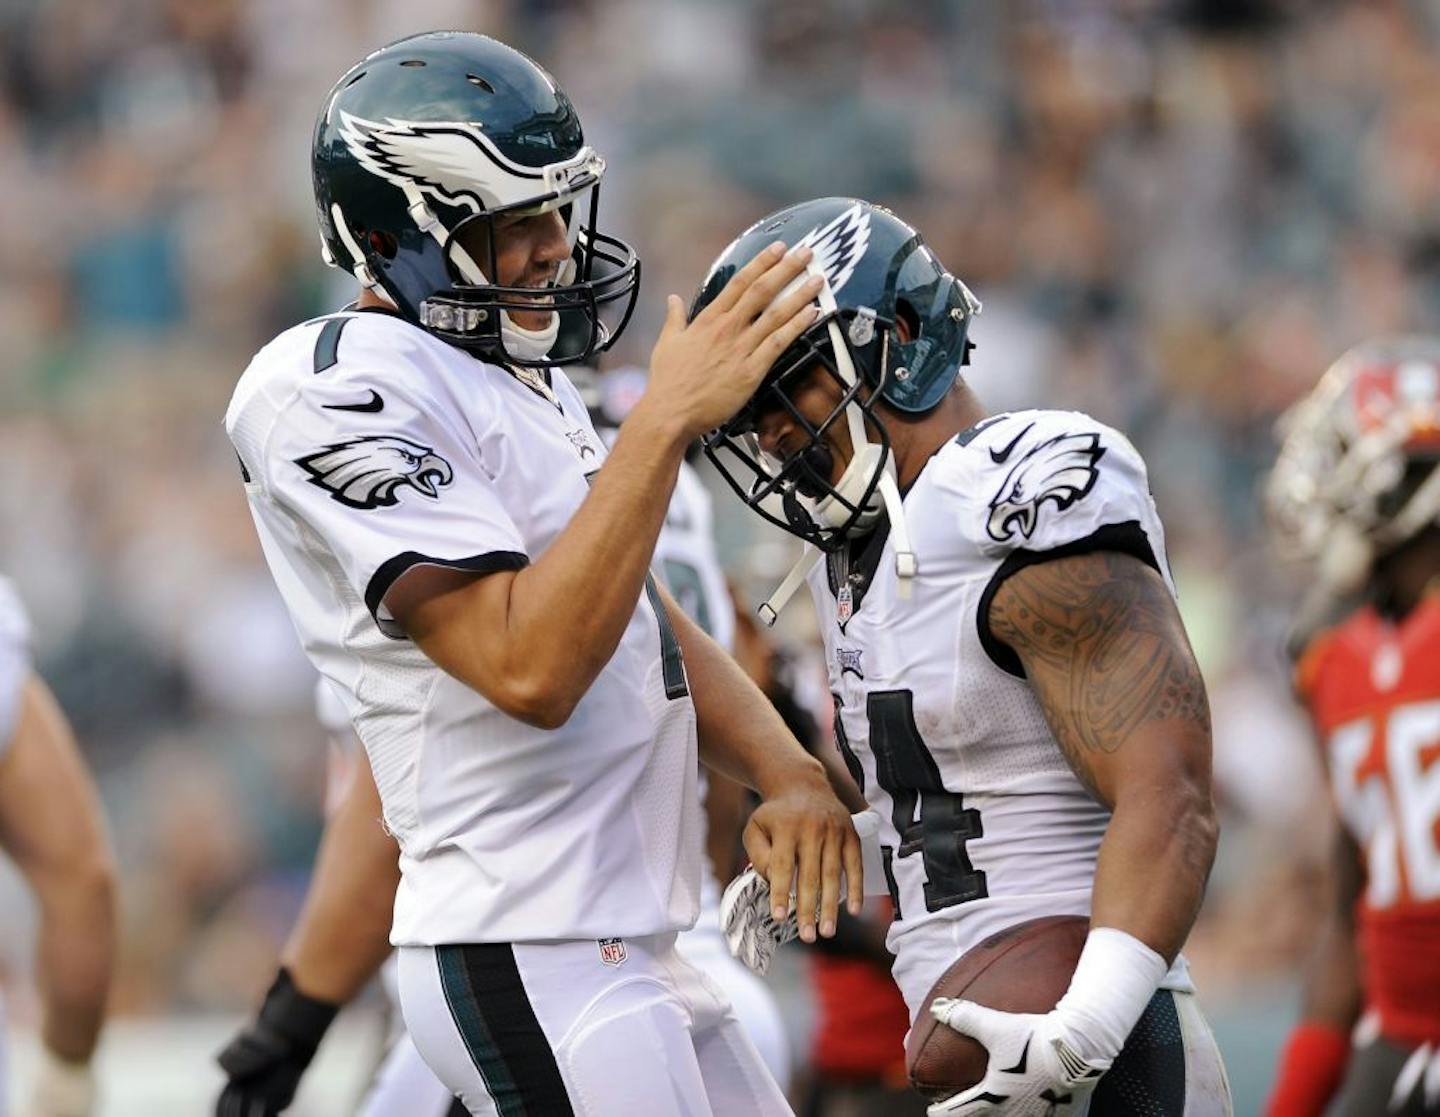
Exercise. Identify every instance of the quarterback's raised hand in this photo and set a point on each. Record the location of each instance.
(1034, 1069)
(702, 372)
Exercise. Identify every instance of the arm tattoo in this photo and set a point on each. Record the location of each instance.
(1103, 646)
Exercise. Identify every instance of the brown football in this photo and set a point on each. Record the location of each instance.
(1024, 968)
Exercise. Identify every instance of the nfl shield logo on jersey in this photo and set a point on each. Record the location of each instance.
(612, 951)
(844, 603)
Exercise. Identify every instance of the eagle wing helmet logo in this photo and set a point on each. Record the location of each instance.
(1061, 470)
(368, 472)
(447, 160)
(839, 245)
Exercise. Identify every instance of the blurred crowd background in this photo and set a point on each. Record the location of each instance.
(1176, 214)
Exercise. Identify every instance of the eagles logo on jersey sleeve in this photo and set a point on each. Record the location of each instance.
(1040, 485)
(366, 472)
(1058, 471)
(369, 465)
(1052, 479)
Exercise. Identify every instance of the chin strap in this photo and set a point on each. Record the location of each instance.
(866, 455)
(770, 610)
(906, 566)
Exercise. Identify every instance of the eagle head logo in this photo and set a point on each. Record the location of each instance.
(1060, 470)
(367, 472)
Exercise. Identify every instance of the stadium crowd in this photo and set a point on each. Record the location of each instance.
(1175, 214)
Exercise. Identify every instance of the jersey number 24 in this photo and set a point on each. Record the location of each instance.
(931, 821)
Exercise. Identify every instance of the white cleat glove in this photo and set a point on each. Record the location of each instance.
(60, 1088)
(751, 932)
(1034, 1069)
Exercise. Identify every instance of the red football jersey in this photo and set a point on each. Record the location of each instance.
(1373, 689)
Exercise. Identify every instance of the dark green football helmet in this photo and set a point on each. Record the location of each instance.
(878, 273)
(431, 134)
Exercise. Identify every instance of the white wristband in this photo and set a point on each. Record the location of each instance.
(60, 1088)
(1114, 981)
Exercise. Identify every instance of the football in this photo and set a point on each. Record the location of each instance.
(1024, 968)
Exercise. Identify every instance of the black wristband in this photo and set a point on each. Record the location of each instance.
(300, 1019)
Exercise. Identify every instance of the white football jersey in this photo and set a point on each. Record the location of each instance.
(14, 659)
(984, 825)
(368, 447)
(686, 560)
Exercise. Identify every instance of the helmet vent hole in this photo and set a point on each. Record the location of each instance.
(383, 244)
(905, 315)
(356, 78)
(476, 79)
(413, 62)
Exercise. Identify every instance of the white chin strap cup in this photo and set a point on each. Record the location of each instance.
(528, 345)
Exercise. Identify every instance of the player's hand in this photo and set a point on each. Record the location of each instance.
(803, 842)
(60, 1088)
(264, 1063)
(704, 372)
(1033, 1071)
(752, 933)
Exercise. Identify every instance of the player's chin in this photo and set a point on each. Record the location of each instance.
(532, 319)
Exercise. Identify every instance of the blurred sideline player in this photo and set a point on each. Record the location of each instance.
(52, 827)
(343, 934)
(1014, 690)
(1356, 493)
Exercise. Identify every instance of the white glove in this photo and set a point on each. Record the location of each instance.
(1034, 1069)
(60, 1088)
(751, 932)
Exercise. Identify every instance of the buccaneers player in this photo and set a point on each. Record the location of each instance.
(1356, 490)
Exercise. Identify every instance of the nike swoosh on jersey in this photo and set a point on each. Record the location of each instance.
(999, 457)
(370, 406)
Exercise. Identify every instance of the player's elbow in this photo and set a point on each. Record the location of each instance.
(1175, 804)
(538, 701)
(1199, 819)
(80, 884)
(1190, 814)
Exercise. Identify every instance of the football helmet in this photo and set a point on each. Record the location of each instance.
(878, 272)
(1356, 476)
(425, 138)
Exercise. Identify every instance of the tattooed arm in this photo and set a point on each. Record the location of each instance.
(1103, 647)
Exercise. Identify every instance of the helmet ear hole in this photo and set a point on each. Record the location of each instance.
(383, 243)
(907, 321)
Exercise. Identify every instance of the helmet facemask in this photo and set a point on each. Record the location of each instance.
(593, 290)
(797, 494)
(825, 514)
